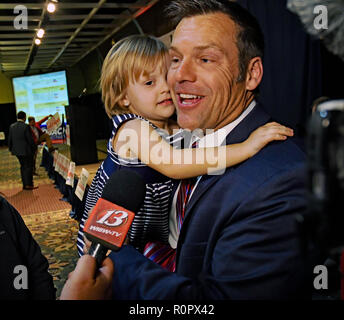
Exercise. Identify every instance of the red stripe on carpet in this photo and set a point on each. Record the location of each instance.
(43, 199)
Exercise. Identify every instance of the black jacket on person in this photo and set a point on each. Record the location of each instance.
(20, 141)
(18, 248)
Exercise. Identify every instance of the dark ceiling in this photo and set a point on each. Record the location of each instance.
(72, 32)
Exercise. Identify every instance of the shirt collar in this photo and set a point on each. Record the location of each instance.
(216, 138)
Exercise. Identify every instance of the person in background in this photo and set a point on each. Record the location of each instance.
(22, 145)
(39, 136)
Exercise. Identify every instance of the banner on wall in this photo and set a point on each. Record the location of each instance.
(55, 128)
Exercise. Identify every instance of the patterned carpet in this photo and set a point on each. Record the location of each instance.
(56, 234)
(46, 216)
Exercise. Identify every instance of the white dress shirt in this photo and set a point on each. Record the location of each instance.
(213, 139)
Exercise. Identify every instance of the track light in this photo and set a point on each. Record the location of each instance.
(37, 41)
(51, 7)
(40, 33)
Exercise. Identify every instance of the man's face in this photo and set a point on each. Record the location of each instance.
(32, 122)
(203, 72)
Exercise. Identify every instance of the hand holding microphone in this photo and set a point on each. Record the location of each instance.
(106, 227)
(88, 282)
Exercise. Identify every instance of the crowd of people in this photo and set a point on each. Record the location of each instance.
(200, 234)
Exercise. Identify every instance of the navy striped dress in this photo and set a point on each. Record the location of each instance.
(151, 222)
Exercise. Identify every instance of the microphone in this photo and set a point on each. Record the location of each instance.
(83, 92)
(111, 217)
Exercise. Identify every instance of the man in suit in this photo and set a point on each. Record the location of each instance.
(22, 145)
(239, 237)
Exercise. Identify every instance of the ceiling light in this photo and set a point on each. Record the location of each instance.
(40, 33)
(38, 42)
(51, 7)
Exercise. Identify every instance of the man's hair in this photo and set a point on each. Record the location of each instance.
(249, 38)
(21, 115)
(30, 119)
(126, 61)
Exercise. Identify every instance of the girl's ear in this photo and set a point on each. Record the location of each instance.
(124, 102)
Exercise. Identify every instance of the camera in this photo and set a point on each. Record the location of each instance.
(325, 152)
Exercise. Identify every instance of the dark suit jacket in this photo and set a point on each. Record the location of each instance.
(20, 141)
(239, 238)
(18, 247)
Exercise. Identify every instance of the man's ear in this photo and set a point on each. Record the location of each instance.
(254, 73)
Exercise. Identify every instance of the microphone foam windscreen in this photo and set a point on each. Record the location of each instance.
(125, 188)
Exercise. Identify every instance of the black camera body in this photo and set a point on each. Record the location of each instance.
(325, 152)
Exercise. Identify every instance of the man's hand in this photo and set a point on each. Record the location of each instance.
(88, 283)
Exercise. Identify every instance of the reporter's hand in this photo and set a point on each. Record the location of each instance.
(86, 282)
(87, 245)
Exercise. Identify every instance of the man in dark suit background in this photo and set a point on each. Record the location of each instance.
(239, 238)
(22, 145)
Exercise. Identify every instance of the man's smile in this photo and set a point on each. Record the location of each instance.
(188, 100)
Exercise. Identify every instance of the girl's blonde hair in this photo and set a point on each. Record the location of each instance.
(126, 61)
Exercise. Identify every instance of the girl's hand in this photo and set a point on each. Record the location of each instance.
(260, 137)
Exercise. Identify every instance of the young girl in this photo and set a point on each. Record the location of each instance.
(137, 98)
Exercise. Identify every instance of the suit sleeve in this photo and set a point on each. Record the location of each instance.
(10, 143)
(256, 256)
(29, 139)
(40, 285)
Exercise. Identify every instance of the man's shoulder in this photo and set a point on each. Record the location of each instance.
(277, 158)
(279, 167)
(284, 154)
(19, 124)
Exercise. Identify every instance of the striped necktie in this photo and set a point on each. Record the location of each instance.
(162, 253)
